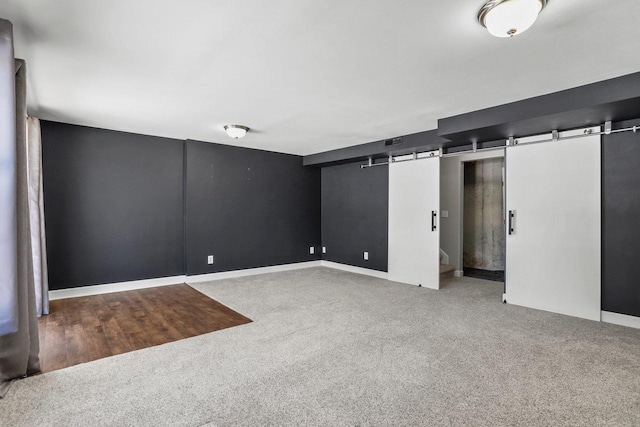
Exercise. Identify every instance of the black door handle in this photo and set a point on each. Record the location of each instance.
(512, 215)
(434, 215)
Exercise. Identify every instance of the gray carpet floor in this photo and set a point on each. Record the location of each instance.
(333, 348)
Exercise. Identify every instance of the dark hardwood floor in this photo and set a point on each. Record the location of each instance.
(83, 329)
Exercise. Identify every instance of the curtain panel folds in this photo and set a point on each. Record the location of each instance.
(8, 242)
(36, 216)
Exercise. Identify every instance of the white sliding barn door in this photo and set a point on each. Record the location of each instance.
(553, 247)
(414, 229)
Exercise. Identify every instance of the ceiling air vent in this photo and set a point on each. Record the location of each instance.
(394, 141)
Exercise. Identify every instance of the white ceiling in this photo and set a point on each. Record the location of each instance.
(306, 76)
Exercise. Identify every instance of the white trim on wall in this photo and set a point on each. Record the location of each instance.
(173, 280)
(108, 288)
(251, 272)
(620, 319)
(357, 270)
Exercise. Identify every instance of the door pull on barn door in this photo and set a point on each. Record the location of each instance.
(512, 218)
(434, 216)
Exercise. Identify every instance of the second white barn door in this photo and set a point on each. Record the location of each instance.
(414, 229)
(553, 226)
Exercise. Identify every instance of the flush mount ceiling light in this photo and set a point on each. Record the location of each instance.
(507, 18)
(236, 131)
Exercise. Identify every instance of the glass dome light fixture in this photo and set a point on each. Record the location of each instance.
(236, 131)
(507, 18)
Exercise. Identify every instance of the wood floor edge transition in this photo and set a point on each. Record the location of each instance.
(83, 329)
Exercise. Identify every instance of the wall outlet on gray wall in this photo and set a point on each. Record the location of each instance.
(312, 250)
(324, 249)
(366, 256)
(210, 259)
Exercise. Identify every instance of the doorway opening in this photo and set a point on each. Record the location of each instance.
(483, 226)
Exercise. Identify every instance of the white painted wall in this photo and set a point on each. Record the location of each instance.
(414, 249)
(554, 255)
(451, 200)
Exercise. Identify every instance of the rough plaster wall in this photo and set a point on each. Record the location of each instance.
(451, 201)
(484, 232)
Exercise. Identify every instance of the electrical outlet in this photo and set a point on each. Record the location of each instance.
(312, 250)
(210, 259)
(445, 214)
(324, 249)
(366, 256)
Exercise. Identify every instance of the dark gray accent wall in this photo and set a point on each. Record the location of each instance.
(113, 205)
(621, 221)
(122, 206)
(249, 208)
(355, 215)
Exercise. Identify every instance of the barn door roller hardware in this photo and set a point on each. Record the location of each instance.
(402, 159)
(556, 136)
(512, 141)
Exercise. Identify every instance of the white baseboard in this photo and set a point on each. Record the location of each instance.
(357, 270)
(173, 280)
(251, 272)
(458, 273)
(114, 287)
(620, 319)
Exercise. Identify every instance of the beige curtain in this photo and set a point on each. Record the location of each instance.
(19, 347)
(8, 264)
(36, 216)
